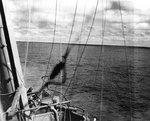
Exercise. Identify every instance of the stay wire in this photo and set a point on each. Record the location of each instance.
(99, 60)
(102, 52)
(102, 43)
(84, 47)
(126, 59)
(82, 27)
(55, 30)
(71, 28)
(72, 24)
(55, 24)
(79, 37)
(27, 44)
(70, 32)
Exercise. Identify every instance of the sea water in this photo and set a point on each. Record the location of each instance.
(111, 83)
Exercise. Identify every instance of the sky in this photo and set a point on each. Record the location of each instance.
(34, 20)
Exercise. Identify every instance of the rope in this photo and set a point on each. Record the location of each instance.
(60, 48)
(84, 46)
(79, 37)
(83, 20)
(72, 24)
(9, 70)
(2, 47)
(52, 41)
(126, 59)
(6, 94)
(101, 54)
(70, 35)
(19, 76)
(102, 85)
(54, 32)
(27, 48)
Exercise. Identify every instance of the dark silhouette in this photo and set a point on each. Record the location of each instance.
(56, 70)
(60, 65)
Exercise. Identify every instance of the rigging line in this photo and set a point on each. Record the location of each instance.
(60, 76)
(2, 47)
(8, 68)
(72, 24)
(101, 54)
(83, 20)
(84, 46)
(19, 75)
(60, 51)
(69, 49)
(7, 94)
(126, 58)
(60, 54)
(27, 48)
(102, 43)
(102, 51)
(79, 37)
(52, 41)
(7, 65)
(56, 12)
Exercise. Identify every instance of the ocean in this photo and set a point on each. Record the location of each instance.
(111, 83)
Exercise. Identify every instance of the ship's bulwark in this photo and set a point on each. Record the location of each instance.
(125, 84)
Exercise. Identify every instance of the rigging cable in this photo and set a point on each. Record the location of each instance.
(102, 52)
(27, 44)
(83, 47)
(8, 68)
(126, 59)
(99, 60)
(79, 37)
(72, 24)
(52, 41)
(82, 25)
(58, 13)
(69, 49)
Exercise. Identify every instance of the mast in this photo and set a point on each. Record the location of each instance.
(11, 76)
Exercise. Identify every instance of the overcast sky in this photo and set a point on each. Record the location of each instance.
(37, 17)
